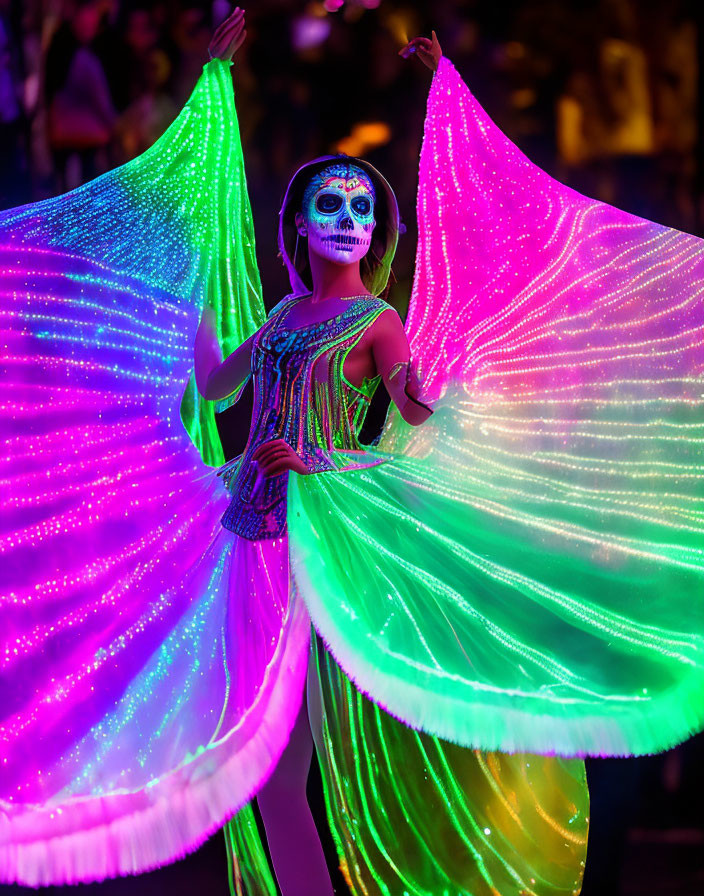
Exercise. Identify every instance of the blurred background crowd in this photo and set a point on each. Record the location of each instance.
(606, 95)
(603, 94)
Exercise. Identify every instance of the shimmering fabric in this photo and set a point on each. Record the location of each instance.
(517, 573)
(249, 873)
(537, 544)
(410, 813)
(455, 820)
(151, 662)
(414, 814)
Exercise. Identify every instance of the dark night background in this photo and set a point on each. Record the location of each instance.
(607, 96)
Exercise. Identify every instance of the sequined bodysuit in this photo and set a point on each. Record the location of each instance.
(300, 395)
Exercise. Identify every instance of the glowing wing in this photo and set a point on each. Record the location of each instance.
(413, 814)
(112, 276)
(145, 690)
(537, 544)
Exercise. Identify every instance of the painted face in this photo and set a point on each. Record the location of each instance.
(338, 211)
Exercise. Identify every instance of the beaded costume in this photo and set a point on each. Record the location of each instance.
(522, 573)
(302, 396)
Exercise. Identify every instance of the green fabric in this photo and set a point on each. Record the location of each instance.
(194, 176)
(248, 868)
(413, 814)
(478, 603)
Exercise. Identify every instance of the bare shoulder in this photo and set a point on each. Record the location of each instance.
(279, 306)
(386, 323)
(387, 340)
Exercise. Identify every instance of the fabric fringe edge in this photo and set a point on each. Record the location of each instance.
(179, 822)
(667, 722)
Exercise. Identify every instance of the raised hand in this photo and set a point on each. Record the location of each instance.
(428, 51)
(229, 36)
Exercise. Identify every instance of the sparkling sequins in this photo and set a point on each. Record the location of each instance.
(315, 415)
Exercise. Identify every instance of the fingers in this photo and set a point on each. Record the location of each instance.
(274, 446)
(437, 49)
(234, 27)
(228, 36)
(417, 43)
(275, 457)
(232, 32)
(270, 453)
(428, 51)
(265, 462)
(268, 468)
(237, 43)
(235, 16)
(420, 47)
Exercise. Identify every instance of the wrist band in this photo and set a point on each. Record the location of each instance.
(415, 400)
(397, 368)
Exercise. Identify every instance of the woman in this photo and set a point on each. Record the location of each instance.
(467, 573)
(345, 339)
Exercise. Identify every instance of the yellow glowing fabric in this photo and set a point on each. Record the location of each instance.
(413, 814)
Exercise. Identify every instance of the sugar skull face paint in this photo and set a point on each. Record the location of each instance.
(338, 213)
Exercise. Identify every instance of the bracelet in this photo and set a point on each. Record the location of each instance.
(416, 401)
(407, 393)
(397, 368)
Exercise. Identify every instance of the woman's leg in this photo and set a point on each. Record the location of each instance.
(293, 839)
(315, 711)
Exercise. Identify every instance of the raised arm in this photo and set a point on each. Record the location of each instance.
(390, 347)
(217, 379)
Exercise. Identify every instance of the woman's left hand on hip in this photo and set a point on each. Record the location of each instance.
(277, 456)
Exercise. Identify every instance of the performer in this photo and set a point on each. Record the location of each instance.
(485, 583)
(315, 365)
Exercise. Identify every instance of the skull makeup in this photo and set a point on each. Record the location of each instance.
(338, 213)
